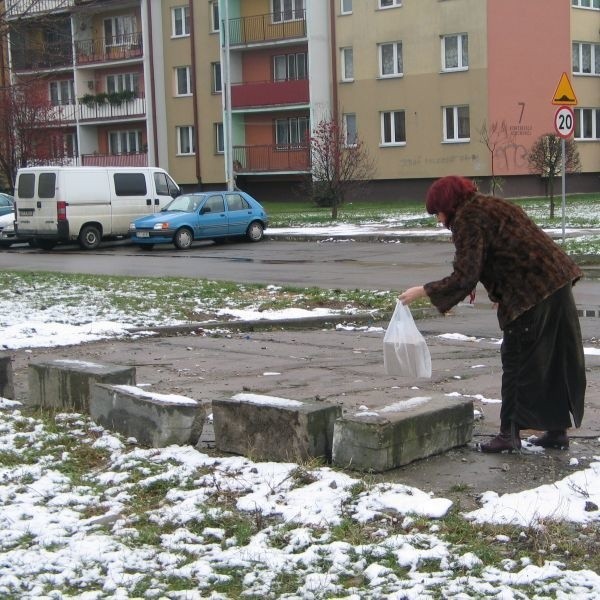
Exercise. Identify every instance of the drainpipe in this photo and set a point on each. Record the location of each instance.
(152, 82)
(334, 56)
(194, 93)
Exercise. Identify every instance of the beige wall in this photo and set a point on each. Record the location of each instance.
(423, 90)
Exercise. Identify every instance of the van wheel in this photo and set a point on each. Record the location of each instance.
(89, 237)
(45, 244)
(183, 238)
(255, 231)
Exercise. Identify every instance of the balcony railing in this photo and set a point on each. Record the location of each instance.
(42, 56)
(271, 158)
(269, 93)
(119, 47)
(21, 8)
(267, 28)
(132, 159)
(95, 112)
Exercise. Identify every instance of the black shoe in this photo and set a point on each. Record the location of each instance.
(552, 439)
(501, 443)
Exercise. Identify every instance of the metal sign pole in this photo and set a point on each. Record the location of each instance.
(564, 168)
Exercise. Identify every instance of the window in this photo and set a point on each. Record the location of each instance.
(123, 82)
(186, 144)
(346, 7)
(219, 138)
(130, 184)
(63, 144)
(216, 82)
(455, 52)
(389, 3)
(183, 81)
(289, 66)
(124, 142)
(287, 10)
(586, 58)
(26, 185)
(164, 185)
(180, 21)
(457, 126)
(393, 128)
(119, 31)
(47, 185)
(350, 131)
(236, 202)
(390, 60)
(587, 123)
(291, 132)
(62, 92)
(214, 204)
(347, 64)
(214, 16)
(595, 4)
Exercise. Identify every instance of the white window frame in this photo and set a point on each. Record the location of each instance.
(578, 50)
(350, 52)
(345, 7)
(385, 4)
(393, 115)
(219, 139)
(398, 70)
(350, 129)
(128, 141)
(455, 136)
(290, 67)
(293, 129)
(180, 14)
(284, 11)
(67, 90)
(462, 41)
(593, 114)
(122, 82)
(186, 143)
(188, 81)
(122, 27)
(215, 22)
(216, 78)
(586, 4)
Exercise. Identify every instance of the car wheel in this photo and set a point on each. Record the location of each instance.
(183, 238)
(89, 237)
(44, 244)
(255, 231)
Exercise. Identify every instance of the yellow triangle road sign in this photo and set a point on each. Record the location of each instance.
(564, 94)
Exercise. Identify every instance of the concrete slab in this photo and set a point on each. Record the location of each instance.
(66, 383)
(153, 419)
(274, 428)
(401, 433)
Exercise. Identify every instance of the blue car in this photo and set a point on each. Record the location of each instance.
(202, 216)
(6, 203)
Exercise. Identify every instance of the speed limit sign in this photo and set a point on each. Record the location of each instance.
(564, 121)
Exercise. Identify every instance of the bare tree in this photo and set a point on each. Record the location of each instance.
(491, 137)
(26, 138)
(339, 165)
(545, 160)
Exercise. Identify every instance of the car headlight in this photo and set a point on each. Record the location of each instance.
(161, 226)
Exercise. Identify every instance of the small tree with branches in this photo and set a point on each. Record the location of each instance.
(491, 137)
(339, 165)
(545, 160)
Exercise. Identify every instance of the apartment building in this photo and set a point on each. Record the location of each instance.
(223, 90)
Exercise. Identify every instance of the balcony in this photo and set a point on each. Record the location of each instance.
(27, 8)
(132, 159)
(271, 159)
(272, 27)
(119, 47)
(107, 111)
(40, 57)
(269, 93)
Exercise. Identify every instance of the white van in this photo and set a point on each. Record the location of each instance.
(86, 204)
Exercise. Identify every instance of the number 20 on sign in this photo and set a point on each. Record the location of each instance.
(564, 121)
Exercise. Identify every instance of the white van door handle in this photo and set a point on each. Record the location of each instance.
(148, 202)
(157, 201)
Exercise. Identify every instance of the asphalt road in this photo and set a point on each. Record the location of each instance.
(376, 265)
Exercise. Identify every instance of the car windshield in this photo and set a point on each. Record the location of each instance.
(184, 204)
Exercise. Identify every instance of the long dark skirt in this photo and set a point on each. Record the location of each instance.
(543, 366)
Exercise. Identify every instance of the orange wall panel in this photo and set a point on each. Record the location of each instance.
(528, 50)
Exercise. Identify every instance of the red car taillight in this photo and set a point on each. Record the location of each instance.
(61, 211)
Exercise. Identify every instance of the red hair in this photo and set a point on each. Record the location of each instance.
(446, 194)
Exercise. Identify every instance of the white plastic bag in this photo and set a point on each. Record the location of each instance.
(405, 351)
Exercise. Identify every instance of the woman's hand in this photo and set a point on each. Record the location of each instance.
(412, 294)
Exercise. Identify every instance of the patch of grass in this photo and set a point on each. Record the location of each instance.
(353, 532)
